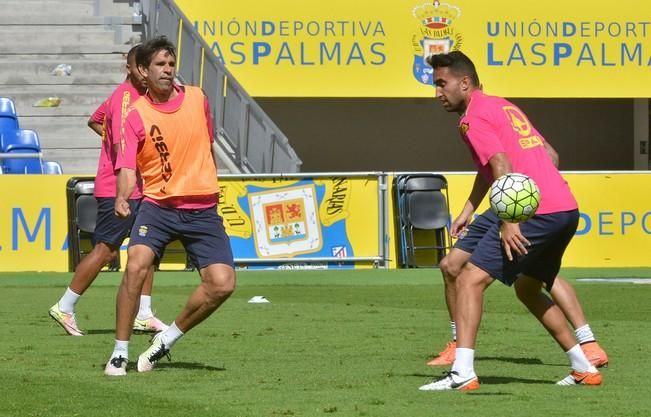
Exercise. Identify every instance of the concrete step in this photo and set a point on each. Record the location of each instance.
(57, 8)
(9, 79)
(56, 130)
(69, 110)
(63, 49)
(46, 7)
(48, 37)
(75, 99)
(55, 59)
(43, 19)
(74, 161)
(37, 67)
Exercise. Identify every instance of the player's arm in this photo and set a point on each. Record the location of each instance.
(95, 127)
(127, 146)
(479, 189)
(552, 153)
(96, 120)
(513, 240)
(126, 183)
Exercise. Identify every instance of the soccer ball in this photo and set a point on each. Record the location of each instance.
(514, 197)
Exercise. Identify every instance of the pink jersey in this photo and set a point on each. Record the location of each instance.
(492, 125)
(111, 114)
(134, 133)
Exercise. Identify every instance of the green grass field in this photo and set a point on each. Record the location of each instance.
(331, 343)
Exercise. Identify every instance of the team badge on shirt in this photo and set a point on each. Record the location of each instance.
(142, 231)
(464, 127)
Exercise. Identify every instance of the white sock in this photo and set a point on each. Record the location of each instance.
(68, 301)
(453, 327)
(171, 335)
(578, 361)
(584, 334)
(121, 349)
(464, 363)
(145, 307)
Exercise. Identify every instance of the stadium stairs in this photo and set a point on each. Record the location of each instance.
(92, 37)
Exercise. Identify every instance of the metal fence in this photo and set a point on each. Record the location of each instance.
(245, 133)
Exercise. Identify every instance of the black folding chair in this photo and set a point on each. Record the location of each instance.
(423, 206)
(82, 218)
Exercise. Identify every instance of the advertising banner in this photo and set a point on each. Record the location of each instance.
(615, 225)
(364, 48)
(302, 223)
(326, 222)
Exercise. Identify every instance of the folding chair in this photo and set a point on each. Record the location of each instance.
(82, 219)
(424, 215)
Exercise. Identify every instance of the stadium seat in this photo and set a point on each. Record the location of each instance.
(423, 216)
(20, 139)
(52, 168)
(23, 165)
(8, 116)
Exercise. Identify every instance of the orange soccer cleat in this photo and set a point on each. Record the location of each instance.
(581, 378)
(446, 357)
(595, 354)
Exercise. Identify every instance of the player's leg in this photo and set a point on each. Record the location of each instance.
(109, 234)
(552, 318)
(565, 297)
(205, 240)
(470, 287)
(549, 235)
(146, 321)
(450, 266)
(150, 232)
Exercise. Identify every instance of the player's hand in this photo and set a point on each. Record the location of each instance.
(513, 240)
(459, 226)
(122, 208)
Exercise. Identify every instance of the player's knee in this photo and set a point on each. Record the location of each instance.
(106, 252)
(526, 294)
(136, 271)
(449, 269)
(221, 284)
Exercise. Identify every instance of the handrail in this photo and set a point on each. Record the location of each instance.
(244, 132)
(22, 155)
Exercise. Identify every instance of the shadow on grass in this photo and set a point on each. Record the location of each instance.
(99, 331)
(487, 381)
(193, 366)
(520, 361)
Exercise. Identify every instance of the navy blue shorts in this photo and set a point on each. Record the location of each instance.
(549, 235)
(109, 228)
(200, 231)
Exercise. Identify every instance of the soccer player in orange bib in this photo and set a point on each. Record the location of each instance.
(110, 230)
(168, 139)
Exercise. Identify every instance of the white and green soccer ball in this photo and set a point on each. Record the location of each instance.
(514, 197)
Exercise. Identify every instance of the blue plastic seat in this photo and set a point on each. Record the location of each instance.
(52, 168)
(23, 165)
(8, 116)
(20, 139)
